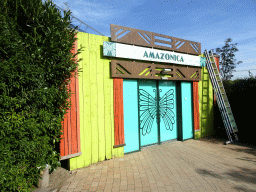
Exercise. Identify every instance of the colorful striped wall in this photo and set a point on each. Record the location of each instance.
(96, 104)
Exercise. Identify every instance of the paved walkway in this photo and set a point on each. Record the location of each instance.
(192, 165)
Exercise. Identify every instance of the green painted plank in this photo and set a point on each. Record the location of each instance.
(100, 80)
(94, 98)
(108, 104)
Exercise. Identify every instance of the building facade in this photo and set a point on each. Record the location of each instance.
(133, 92)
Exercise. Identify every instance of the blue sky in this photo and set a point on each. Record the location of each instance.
(207, 22)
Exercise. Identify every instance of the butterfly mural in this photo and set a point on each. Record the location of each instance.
(148, 110)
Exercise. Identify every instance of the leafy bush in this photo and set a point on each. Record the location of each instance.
(241, 95)
(36, 64)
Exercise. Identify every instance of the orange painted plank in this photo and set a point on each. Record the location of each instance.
(118, 111)
(121, 113)
(73, 141)
(63, 142)
(68, 151)
(115, 86)
(73, 119)
(77, 104)
(71, 125)
(196, 105)
(217, 61)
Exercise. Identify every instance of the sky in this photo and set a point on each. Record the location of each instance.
(210, 23)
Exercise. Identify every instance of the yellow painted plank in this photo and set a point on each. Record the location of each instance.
(87, 103)
(100, 105)
(86, 153)
(80, 159)
(211, 110)
(200, 88)
(108, 105)
(94, 98)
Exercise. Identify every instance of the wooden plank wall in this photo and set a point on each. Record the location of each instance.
(70, 142)
(96, 104)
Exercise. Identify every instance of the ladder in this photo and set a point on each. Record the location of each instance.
(222, 99)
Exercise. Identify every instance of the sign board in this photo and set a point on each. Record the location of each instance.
(112, 49)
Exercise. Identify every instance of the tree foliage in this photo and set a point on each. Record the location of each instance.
(36, 64)
(227, 61)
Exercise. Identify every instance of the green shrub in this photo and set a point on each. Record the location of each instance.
(36, 64)
(241, 95)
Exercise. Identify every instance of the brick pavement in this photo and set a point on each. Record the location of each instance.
(192, 165)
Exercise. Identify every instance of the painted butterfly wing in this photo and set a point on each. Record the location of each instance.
(166, 105)
(147, 105)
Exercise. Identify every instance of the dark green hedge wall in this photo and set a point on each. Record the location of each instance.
(35, 44)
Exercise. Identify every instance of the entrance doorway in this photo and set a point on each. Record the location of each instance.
(157, 111)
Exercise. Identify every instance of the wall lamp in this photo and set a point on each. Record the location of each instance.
(164, 71)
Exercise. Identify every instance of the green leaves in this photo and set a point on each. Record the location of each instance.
(227, 61)
(35, 54)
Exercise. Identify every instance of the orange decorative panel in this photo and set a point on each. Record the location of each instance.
(70, 142)
(196, 105)
(118, 112)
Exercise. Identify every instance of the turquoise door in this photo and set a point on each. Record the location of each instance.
(186, 100)
(131, 123)
(148, 112)
(167, 106)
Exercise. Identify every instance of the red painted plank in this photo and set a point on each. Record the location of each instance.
(196, 105)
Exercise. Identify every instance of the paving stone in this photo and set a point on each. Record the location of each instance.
(138, 189)
(193, 165)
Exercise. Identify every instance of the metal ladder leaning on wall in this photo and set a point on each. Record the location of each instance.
(222, 99)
